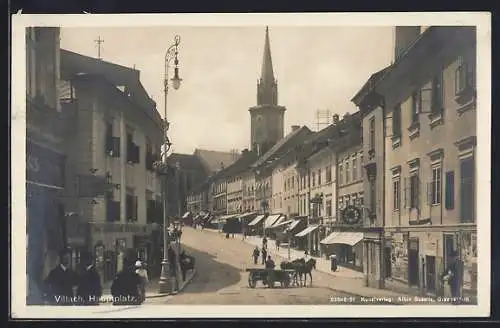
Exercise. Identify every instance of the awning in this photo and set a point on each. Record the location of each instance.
(186, 215)
(282, 224)
(271, 220)
(295, 223)
(347, 238)
(307, 231)
(256, 220)
(245, 215)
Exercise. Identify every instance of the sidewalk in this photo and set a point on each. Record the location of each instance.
(152, 290)
(346, 280)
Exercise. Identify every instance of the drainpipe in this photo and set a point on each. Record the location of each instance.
(382, 239)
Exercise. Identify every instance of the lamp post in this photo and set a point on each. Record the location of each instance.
(161, 167)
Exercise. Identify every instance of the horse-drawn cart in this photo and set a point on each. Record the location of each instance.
(269, 277)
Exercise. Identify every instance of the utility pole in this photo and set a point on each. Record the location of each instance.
(99, 41)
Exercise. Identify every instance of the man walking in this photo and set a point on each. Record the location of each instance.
(264, 255)
(256, 254)
(144, 279)
(452, 275)
(60, 282)
(126, 285)
(89, 288)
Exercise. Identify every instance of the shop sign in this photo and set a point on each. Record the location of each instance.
(119, 228)
(44, 166)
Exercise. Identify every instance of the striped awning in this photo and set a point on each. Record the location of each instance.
(295, 223)
(346, 238)
(271, 220)
(256, 220)
(186, 215)
(247, 214)
(282, 224)
(307, 230)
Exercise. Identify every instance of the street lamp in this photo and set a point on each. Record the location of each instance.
(170, 55)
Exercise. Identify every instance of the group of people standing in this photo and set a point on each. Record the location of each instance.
(66, 286)
(266, 259)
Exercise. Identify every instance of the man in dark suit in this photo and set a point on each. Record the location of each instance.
(89, 282)
(125, 288)
(60, 282)
(453, 275)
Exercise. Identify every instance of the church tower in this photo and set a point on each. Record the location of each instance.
(267, 117)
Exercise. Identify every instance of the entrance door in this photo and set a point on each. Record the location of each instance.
(413, 267)
(387, 262)
(431, 273)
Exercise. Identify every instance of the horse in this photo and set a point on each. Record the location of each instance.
(305, 269)
(293, 265)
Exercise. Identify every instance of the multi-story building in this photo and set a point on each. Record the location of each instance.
(234, 175)
(112, 186)
(428, 99)
(372, 163)
(50, 127)
(248, 194)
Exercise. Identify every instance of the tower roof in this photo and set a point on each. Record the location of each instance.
(267, 74)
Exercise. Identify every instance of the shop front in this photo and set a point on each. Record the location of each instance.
(44, 214)
(110, 242)
(347, 246)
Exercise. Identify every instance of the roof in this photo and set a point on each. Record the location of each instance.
(186, 162)
(282, 146)
(240, 165)
(369, 84)
(73, 63)
(212, 159)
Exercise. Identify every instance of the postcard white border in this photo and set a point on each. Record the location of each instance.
(18, 241)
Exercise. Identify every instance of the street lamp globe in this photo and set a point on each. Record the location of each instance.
(176, 80)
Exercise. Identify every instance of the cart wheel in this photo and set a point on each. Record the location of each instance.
(251, 281)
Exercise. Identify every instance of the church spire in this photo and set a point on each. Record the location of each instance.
(267, 74)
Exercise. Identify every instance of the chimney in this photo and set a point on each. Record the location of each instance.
(295, 127)
(404, 36)
(335, 119)
(346, 116)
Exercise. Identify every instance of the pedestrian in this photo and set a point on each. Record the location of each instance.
(264, 242)
(143, 274)
(270, 263)
(264, 255)
(306, 253)
(89, 290)
(452, 275)
(60, 281)
(277, 242)
(256, 254)
(125, 288)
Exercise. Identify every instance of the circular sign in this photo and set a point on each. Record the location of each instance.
(351, 215)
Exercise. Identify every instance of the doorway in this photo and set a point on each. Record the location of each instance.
(413, 266)
(431, 273)
(388, 262)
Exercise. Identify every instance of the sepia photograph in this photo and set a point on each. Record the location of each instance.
(330, 165)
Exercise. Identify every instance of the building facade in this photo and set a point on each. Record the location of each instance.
(50, 127)
(248, 193)
(428, 102)
(112, 186)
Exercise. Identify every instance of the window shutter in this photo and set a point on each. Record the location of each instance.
(450, 190)
(425, 100)
(407, 193)
(418, 192)
(429, 193)
(116, 147)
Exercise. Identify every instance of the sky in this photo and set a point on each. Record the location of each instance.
(317, 68)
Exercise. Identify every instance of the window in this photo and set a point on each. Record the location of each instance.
(372, 134)
(414, 191)
(437, 93)
(347, 178)
(464, 76)
(467, 196)
(328, 172)
(373, 197)
(293, 182)
(354, 169)
(319, 177)
(449, 200)
(132, 149)
(415, 107)
(131, 205)
(396, 122)
(436, 185)
(329, 207)
(341, 175)
(313, 179)
(396, 193)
